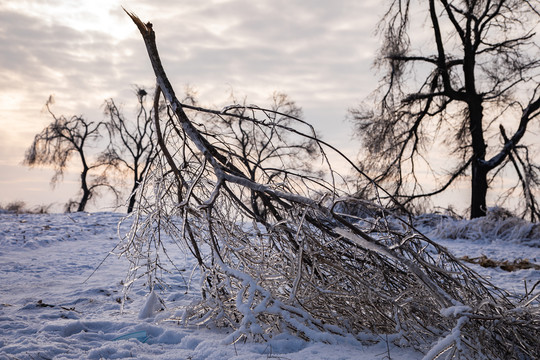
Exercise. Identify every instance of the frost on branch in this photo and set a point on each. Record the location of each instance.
(277, 254)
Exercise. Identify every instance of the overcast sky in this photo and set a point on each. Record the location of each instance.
(319, 52)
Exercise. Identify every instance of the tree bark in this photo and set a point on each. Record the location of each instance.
(86, 191)
(132, 197)
(479, 188)
(479, 184)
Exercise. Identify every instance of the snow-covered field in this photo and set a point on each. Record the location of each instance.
(51, 308)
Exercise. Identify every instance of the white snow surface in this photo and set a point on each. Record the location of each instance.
(51, 309)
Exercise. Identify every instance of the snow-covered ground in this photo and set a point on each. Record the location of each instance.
(51, 308)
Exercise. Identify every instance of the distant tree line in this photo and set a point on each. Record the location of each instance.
(119, 151)
(127, 149)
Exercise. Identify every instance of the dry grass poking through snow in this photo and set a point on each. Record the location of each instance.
(497, 224)
(507, 265)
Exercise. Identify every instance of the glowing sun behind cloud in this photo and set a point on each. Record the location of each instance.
(97, 15)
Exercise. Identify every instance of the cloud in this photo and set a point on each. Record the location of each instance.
(318, 52)
(266, 41)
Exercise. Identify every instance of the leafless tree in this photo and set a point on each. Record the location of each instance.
(59, 141)
(471, 88)
(262, 150)
(132, 142)
(304, 268)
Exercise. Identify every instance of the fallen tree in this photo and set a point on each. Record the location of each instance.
(299, 264)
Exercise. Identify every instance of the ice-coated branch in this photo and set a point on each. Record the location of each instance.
(280, 251)
(200, 142)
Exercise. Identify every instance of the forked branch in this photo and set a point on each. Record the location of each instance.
(288, 259)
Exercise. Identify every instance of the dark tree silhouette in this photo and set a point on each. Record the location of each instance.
(59, 141)
(471, 87)
(132, 142)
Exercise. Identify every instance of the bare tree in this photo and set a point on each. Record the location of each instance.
(59, 141)
(473, 84)
(305, 269)
(132, 142)
(262, 151)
